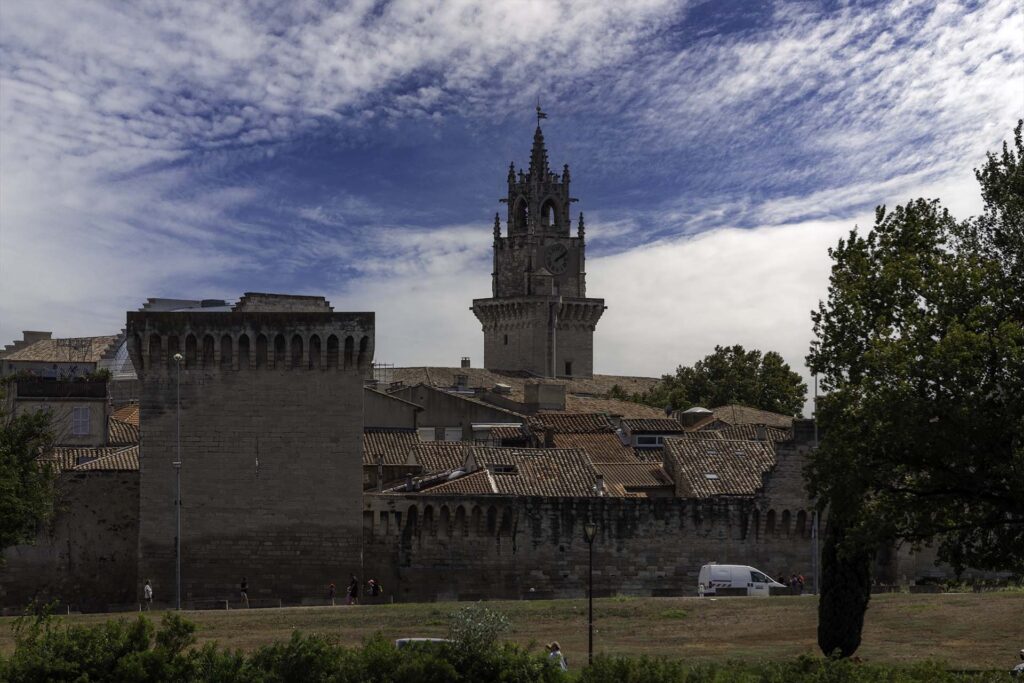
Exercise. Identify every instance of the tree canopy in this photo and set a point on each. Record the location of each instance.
(920, 350)
(26, 485)
(732, 375)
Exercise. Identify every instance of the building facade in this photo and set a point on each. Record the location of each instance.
(538, 318)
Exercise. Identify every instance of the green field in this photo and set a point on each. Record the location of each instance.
(965, 630)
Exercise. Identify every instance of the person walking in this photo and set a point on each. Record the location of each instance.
(353, 590)
(147, 595)
(244, 590)
(1018, 671)
(375, 590)
(331, 592)
(555, 653)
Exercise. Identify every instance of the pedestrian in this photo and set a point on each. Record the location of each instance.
(792, 584)
(1018, 671)
(353, 590)
(800, 584)
(245, 592)
(555, 653)
(147, 595)
(331, 592)
(376, 590)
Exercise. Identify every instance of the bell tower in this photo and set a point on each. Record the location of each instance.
(539, 319)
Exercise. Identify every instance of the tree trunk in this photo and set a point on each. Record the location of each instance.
(845, 592)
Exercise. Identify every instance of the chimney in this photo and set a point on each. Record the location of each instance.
(760, 433)
(549, 437)
(465, 362)
(380, 473)
(408, 482)
(599, 485)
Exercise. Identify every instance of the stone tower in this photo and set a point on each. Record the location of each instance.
(539, 319)
(271, 445)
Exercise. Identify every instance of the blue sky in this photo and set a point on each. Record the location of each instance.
(358, 149)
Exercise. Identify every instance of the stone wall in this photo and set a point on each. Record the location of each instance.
(87, 556)
(271, 440)
(440, 548)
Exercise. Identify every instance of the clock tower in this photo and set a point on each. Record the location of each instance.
(539, 319)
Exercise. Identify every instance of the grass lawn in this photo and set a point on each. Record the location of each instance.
(966, 630)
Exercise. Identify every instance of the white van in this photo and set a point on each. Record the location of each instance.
(714, 576)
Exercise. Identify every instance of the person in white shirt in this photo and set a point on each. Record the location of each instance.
(1018, 671)
(147, 595)
(555, 653)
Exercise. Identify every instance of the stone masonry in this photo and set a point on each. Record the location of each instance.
(271, 446)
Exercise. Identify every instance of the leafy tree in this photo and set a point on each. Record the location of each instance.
(732, 375)
(26, 484)
(920, 347)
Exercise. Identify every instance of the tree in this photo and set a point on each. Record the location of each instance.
(732, 375)
(920, 348)
(26, 484)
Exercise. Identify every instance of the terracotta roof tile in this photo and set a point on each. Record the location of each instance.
(664, 425)
(438, 456)
(394, 445)
(621, 476)
(70, 457)
(737, 415)
(121, 433)
(537, 471)
(123, 460)
(573, 423)
(748, 432)
(128, 413)
(477, 483)
(600, 448)
(72, 350)
(611, 406)
(703, 468)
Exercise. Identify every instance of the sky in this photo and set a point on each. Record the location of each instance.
(357, 150)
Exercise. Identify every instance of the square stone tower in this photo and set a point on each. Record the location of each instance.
(539, 319)
(271, 396)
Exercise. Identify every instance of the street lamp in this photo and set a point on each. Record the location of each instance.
(177, 484)
(589, 532)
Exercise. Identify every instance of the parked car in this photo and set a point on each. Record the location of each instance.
(714, 576)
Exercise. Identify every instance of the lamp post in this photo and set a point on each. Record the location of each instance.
(589, 532)
(177, 483)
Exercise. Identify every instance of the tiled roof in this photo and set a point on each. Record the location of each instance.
(746, 432)
(393, 444)
(601, 448)
(70, 457)
(610, 406)
(128, 413)
(72, 350)
(122, 460)
(538, 471)
(737, 415)
(510, 433)
(620, 476)
(476, 483)
(664, 425)
(703, 468)
(569, 423)
(438, 456)
(121, 433)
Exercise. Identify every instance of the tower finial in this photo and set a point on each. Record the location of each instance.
(540, 112)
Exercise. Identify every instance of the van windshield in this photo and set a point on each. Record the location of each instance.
(758, 577)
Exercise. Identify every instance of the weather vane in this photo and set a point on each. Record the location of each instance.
(540, 112)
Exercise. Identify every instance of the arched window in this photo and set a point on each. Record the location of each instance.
(506, 523)
(208, 353)
(155, 356)
(785, 522)
(225, 351)
(769, 524)
(755, 522)
(191, 350)
(243, 352)
(364, 347)
(460, 520)
(314, 352)
(801, 524)
(445, 523)
(280, 352)
(296, 351)
(475, 520)
(548, 214)
(332, 351)
(172, 348)
(137, 346)
(261, 350)
(411, 520)
(492, 520)
(350, 347)
(428, 519)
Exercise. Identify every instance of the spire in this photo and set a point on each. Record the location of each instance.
(538, 156)
(512, 172)
(580, 230)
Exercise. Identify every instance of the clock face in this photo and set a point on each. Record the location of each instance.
(556, 258)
